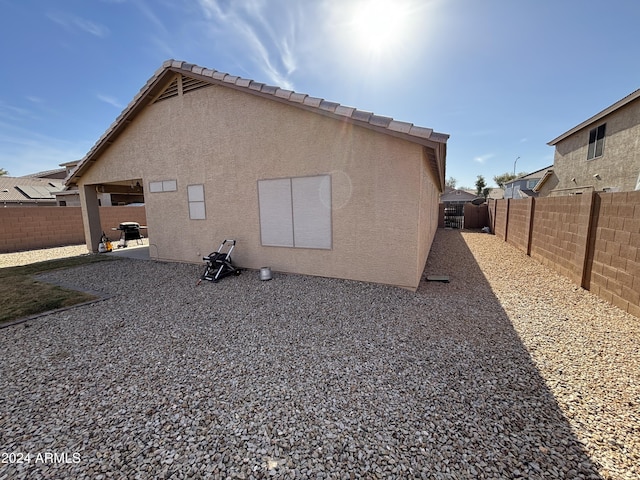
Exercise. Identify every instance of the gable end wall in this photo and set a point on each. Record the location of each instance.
(227, 140)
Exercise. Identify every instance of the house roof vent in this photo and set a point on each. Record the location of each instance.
(189, 84)
(181, 84)
(170, 91)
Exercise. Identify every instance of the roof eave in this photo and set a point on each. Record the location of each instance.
(420, 135)
(543, 180)
(406, 131)
(139, 102)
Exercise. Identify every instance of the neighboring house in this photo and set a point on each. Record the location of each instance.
(57, 174)
(304, 185)
(28, 191)
(70, 196)
(600, 154)
(455, 196)
(525, 186)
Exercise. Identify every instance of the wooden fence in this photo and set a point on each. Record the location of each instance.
(475, 216)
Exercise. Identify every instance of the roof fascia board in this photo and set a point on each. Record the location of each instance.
(529, 175)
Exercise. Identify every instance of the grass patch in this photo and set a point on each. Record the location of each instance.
(22, 295)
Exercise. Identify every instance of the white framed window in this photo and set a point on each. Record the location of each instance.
(163, 186)
(296, 212)
(195, 195)
(596, 142)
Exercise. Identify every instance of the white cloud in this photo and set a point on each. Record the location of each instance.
(110, 100)
(483, 158)
(34, 99)
(150, 15)
(73, 22)
(161, 45)
(13, 113)
(246, 23)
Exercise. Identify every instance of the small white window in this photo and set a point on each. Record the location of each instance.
(195, 194)
(169, 185)
(163, 186)
(155, 187)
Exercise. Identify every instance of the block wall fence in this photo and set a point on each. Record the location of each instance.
(592, 239)
(30, 228)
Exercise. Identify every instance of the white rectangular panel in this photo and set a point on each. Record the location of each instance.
(276, 220)
(312, 211)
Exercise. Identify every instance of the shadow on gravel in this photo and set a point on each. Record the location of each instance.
(298, 377)
(495, 401)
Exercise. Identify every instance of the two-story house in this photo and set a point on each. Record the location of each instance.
(600, 154)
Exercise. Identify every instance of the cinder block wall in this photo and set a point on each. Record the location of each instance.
(519, 221)
(46, 227)
(39, 227)
(594, 240)
(560, 232)
(615, 268)
(500, 227)
(492, 214)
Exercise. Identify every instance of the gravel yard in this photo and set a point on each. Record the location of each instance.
(32, 256)
(509, 371)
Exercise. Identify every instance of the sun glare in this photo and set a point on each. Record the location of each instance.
(379, 25)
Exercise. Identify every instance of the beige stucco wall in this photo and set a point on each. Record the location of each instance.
(428, 219)
(384, 204)
(618, 167)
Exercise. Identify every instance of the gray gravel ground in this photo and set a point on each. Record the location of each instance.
(32, 256)
(509, 371)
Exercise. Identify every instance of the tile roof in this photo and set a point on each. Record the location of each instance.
(456, 195)
(533, 175)
(28, 190)
(156, 86)
(47, 174)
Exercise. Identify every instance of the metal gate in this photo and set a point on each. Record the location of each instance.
(454, 215)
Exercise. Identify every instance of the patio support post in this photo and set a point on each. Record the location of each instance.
(90, 216)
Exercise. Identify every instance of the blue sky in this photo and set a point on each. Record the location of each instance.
(502, 77)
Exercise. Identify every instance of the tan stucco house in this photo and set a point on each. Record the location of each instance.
(600, 154)
(302, 184)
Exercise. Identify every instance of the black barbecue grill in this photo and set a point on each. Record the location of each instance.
(129, 231)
